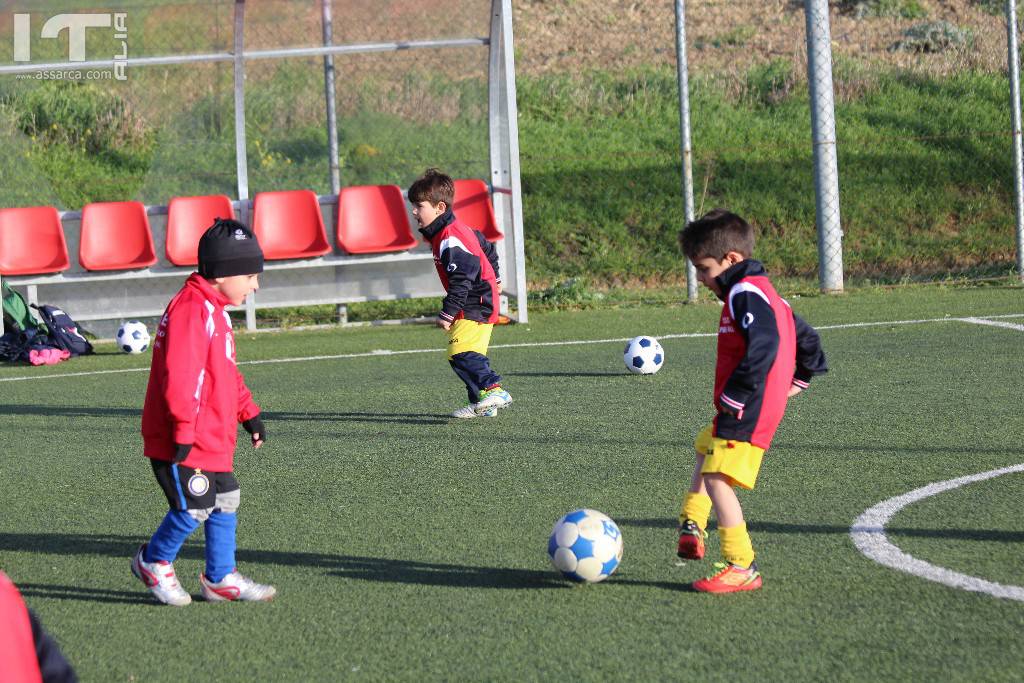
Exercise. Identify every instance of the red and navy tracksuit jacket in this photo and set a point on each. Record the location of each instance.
(763, 349)
(468, 267)
(196, 395)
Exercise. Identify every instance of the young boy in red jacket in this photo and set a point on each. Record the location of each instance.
(468, 267)
(195, 400)
(766, 354)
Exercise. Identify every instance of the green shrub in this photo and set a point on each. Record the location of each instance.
(771, 83)
(862, 9)
(933, 36)
(79, 115)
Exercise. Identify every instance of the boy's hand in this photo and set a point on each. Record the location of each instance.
(181, 451)
(254, 425)
(444, 324)
(793, 391)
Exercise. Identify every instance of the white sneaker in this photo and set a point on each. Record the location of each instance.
(467, 412)
(234, 586)
(492, 398)
(159, 578)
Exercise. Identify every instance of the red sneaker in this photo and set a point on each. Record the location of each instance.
(729, 579)
(691, 541)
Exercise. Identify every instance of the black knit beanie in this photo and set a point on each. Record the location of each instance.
(229, 248)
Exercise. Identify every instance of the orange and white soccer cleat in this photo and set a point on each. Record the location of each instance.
(729, 578)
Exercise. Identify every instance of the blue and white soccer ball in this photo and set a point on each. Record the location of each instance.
(644, 355)
(585, 545)
(133, 337)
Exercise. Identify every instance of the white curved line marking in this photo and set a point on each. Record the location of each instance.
(868, 533)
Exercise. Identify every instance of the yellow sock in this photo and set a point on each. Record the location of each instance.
(696, 506)
(736, 546)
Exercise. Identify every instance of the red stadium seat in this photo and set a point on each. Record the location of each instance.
(372, 219)
(289, 225)
(115, 236)
(32, 241)
(187, 219)
(473, 207)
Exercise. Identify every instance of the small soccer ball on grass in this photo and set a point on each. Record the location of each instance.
(586, 546)
(644, 355)
(133, 337)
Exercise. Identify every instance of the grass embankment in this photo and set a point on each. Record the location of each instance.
(925, 164)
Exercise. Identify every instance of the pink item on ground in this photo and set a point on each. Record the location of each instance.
(47, 356)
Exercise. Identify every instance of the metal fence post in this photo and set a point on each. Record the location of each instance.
(241, 157)
(1013, 63)
(503, 122)
(823, 131)
(329, 94)
(682, 70)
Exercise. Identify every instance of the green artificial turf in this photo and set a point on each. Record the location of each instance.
(406, 546)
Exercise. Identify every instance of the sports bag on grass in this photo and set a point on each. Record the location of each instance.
(17, 316)
(64, 331)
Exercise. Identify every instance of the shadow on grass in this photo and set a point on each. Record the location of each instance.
(96, 411)
(346, 566)
(567, 374)
(781, 528)
(386, 418)
(70, 411)
(373, 569)
(84, 593)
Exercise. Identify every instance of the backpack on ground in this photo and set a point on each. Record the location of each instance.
(64, 331)
(17, 315)
(18, 345)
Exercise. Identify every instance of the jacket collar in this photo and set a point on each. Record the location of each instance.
(745, 268)
(438, 224)
(197, 281)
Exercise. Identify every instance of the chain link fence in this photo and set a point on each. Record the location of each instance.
(169, 130)
(922, 136)
(920, 184)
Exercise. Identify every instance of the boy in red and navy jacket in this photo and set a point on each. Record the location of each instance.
(766, 354)
(195, 400)
(468, 267)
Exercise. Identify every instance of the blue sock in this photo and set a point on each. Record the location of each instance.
(170, 536)
(220, 544)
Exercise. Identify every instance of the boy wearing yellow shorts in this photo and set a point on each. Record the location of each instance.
(468, 267)
(766, 354)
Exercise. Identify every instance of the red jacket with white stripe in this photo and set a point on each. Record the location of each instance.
(196, 395)
(763, 349)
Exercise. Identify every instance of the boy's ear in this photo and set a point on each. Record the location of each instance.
(442, 206)
(734, 257)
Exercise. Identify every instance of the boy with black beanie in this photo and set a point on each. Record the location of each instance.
(195, 399)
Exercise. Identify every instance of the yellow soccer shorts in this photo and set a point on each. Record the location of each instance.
(469, 335)
(738, 460)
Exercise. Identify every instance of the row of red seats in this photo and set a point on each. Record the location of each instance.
(372, 219)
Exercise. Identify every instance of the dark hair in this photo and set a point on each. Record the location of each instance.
(434, 187)
(715, 234)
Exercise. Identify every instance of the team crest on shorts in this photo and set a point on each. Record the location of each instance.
(198, 484)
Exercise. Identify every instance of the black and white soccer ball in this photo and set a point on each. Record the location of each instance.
(133, 337)
(644, 355)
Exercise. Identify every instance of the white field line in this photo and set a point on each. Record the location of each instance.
(868, 530)
(995, 323)
(576, 342)
(868, 533)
